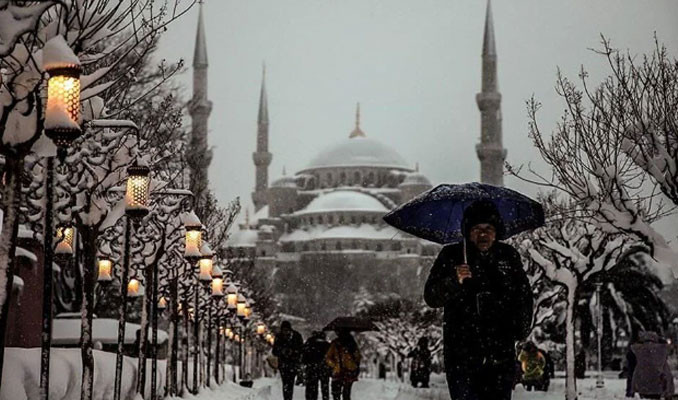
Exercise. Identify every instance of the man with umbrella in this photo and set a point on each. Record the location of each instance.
(488, 306)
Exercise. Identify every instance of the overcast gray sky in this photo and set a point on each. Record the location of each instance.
(414, 65)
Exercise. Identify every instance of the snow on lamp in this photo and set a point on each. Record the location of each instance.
(105, 267)
(193, 242)
(62, 114)
(217, 287)
(65, 238)
(137, 193)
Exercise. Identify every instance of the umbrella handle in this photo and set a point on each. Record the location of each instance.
(465, 260)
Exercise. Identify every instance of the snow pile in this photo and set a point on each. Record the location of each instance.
(21, 380)
(105, 330)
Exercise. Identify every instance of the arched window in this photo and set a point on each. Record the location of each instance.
(323, 246)
(356, 178)
(305, 247)
(353, 219)
(341, 219)
(379, 247)
(396, 246)
(370, 179)
(339, 246)
(331, 219)
(329, 179)
(342, 178)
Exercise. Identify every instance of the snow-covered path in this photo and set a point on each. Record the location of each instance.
(364, 389)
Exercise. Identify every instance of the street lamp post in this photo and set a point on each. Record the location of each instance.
(136, 207)
(62, 125)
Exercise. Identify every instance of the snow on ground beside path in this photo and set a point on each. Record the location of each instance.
(21, 374)
(229, 391)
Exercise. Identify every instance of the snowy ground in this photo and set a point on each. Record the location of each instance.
(370, 389)
(20, 382)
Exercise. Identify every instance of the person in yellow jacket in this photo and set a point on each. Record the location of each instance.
(343, 358)
(532, 363)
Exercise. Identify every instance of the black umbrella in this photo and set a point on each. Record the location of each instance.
(354, 324)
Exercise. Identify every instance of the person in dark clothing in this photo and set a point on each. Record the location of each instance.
(421, 364)
(580, 364)
(488, 307)
(313, 358)
(287, 348)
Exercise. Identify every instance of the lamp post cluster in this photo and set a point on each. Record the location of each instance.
(220, 311)
(229, 312)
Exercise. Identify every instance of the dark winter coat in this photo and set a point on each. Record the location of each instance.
(288, 350)
(314, 351)
(421, 363)
(651, 374)
(486, 314)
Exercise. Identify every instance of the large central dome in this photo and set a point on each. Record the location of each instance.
(358, 151)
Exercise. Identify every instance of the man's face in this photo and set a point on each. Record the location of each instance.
(483, 236)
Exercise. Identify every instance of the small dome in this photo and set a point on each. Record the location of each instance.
(289, 182)
(358, 151)
(344, 200)
(416, 179)
(243, 238)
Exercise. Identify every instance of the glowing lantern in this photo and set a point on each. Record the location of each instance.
(228, 332)
(162, 303)
(193, 243)
(261, 328)
(236, 338)
(137, 194)
(232, 296)
(268, 337)
(62, 114)
(134, 288)
(65, 238)
(105, 267)
(241, 306)
(217, 287)
(248, 310)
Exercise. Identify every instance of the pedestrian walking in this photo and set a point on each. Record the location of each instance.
(649, 369)
(343, 358)
(421, 364)
(533, 364)
(488, 306)
(287, 349)
(317, 371)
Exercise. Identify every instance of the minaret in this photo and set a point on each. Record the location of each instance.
(199, 155)
(490, 149)
(262, 158)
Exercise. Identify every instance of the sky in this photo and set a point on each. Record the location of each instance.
(414, 66)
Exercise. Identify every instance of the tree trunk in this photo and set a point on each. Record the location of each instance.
(11, 195)
(89, 248)
(216, 350)
(571, 382)
(122, 312)
(208, 332)
(143, 336)
(187, 349)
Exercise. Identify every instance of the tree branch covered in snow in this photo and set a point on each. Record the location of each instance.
(615, 149)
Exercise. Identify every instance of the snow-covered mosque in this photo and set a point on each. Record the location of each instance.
(319, 232)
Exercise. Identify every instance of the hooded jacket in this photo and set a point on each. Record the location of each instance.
(486, 314)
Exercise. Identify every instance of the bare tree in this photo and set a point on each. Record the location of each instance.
(570, 251)
(615, 150)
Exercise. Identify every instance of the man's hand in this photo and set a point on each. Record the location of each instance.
(463, 272)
